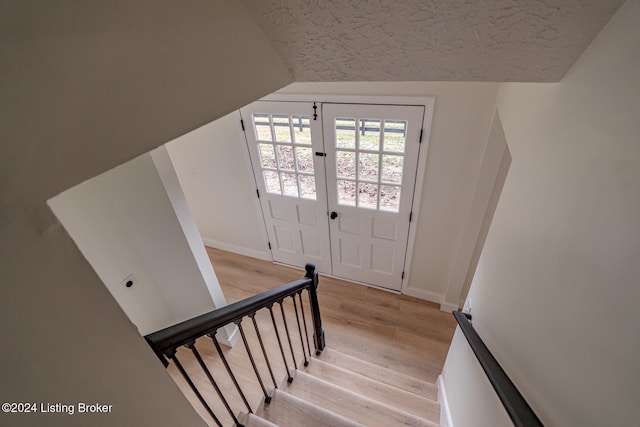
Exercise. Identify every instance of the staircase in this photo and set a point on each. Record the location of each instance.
(337, 390)
(383, 351)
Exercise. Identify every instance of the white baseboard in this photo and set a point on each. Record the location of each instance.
(445, 306)
(226, 338)
(425, 295)
(263, 255)
(445, 414)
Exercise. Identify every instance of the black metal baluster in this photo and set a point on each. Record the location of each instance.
(264, 352)
(192, 347)
(284, 359)
(318, 332)
(229, 371)
(267, 398)
(304, 353)
(286, 328)
(195, 390)
(304, 319)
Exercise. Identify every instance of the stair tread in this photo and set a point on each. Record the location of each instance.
(384, 375)
(373, 389)
(287, 410)
(252, 420)
(351, 405)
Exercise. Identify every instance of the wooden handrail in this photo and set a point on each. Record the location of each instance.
(516, 406)
(166, 341)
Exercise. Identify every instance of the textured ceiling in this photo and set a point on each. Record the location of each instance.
(430, 40)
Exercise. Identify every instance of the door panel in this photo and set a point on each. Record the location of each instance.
(371, 163)
(370, 155)
(282, 138)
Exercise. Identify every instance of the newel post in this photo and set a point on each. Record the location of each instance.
(318, 333)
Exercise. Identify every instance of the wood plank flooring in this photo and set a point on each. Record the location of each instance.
(397, 332)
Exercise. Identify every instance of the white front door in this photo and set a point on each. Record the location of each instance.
(283, 138)
(353, 221)
(372, 157)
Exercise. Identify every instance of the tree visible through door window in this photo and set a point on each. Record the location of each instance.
(369, 162)
(284, 145)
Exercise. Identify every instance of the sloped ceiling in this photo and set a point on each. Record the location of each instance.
(430, 40)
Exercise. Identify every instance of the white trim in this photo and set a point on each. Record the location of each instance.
(448, 307)
(253, 253)
(330, 276)
(352, 99)
(227, 339)
(368, 285)
(421, 172)
(253, 187)
(425, 101)
(445, 413)
(425, 295)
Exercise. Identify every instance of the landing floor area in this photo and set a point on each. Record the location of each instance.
(398, 332)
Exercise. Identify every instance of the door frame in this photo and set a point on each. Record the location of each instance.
(425, 101)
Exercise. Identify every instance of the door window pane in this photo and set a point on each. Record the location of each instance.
(281, 127)
(346, 193)
(367, 195)
(290, 184)
(272, 182)
(307, 186)
(301, 129)
(369, 130)
(368, 166)
(371, 170)
(390, 198)
(285, 157)
(262, 127)
(395, 135)
(392, 168)
(268, 155)
(346, 133)
(304, 159)
(346, 164)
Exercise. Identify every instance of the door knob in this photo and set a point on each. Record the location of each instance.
(333, 215)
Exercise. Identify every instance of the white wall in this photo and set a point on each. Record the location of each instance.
(496, 160)
(214, 175)
(466, 382)
(95, 223)
(85, 88)
(191, 274)
(133, 220)
(556, 292)
(219, 187)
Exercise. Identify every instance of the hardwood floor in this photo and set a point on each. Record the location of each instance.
(393, 331)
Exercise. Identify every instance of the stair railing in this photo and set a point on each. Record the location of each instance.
(515, 404)
(166, 341)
